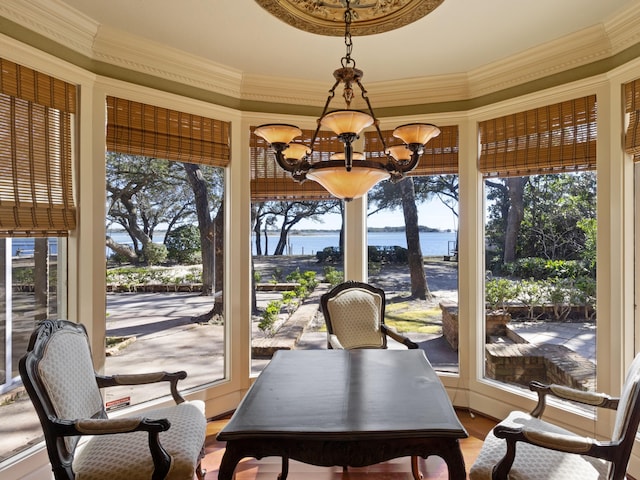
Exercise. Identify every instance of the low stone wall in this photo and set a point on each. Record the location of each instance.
(496, 323)
(450, 323)
(521, 363)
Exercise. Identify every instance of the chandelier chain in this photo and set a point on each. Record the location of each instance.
(347, 60)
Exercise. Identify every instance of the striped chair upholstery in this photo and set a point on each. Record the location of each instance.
(58, 374)
(525, 447)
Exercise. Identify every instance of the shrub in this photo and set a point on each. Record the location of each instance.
(531, 293)
(499, 291)
(306, 282)
(329, 254)
(270, 316)
(183, 245)
(540, 268)
(154, 253)
(333, 276)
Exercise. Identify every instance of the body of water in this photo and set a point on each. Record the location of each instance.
(309, 243)
(432, 243)
(24, 246)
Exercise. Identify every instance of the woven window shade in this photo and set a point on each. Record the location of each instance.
(632, 108)
(36, 189)
(440, 155)
(138, 129)
(269, 182)
(551, 139)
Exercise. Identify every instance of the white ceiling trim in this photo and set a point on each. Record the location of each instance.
(55, 20)
(128, 51)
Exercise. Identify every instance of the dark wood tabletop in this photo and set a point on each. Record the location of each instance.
(349, 404)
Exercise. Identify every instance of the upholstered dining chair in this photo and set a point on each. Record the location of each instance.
(57, 372)
(354, 315)
(525, 447)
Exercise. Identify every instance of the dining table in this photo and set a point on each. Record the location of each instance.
(349, 408)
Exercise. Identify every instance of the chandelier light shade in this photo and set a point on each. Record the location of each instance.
(347, 184)
(416, 133)
(347, 175)
(343, 122)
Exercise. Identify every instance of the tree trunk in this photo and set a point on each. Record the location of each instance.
(256, 231)
(124, 250)
(205, 225)
(41, 278)
(515, 215)
(282, 240)
(419, 287)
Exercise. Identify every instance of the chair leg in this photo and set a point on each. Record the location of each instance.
(415, 469)
(200, 472)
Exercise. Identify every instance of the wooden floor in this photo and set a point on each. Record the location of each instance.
(398, 469)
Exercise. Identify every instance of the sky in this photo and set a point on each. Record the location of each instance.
(430, 214)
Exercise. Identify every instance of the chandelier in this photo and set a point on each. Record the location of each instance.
(347, 175)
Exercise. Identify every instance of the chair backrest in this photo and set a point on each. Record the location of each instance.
(354, 312)
(58, 374)
(627, 418)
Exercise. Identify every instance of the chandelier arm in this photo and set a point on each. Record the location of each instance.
(288, 165)
(375, 119)
(332, 93)
(404, 167)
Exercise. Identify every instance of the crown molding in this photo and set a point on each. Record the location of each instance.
(580, 55)
(624, 29)
(54, 20)
(561, 55)
(121, 49)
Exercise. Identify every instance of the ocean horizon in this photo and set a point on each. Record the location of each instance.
(300, 242)
(309, 242)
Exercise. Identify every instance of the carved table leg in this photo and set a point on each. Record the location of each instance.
(452, 455)
(285, 468)
(229, 462)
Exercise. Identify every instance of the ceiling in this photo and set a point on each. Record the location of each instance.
(457, 37)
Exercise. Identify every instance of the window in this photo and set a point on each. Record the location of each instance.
(540, 238)
(165, 191)
(412, 246)
(297, 240)
(36, 213)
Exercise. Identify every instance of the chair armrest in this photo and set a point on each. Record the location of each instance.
(398, 337)
(594, 399)
(145, 378)
(109, 426)
(335, 343)
(573, 444)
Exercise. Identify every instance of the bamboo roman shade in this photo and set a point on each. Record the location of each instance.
(551, 139)
(440, 153)
(138, 129)
(36, 188)
(270, 183)
(632, 108)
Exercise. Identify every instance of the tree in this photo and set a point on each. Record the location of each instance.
(143, 193)
(419, 287)
(542, 215)
(389, 195)
(290, 213)
(208, 199)
(406, 194)
(515, 215)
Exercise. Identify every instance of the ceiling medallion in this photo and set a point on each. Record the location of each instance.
(369, 16)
